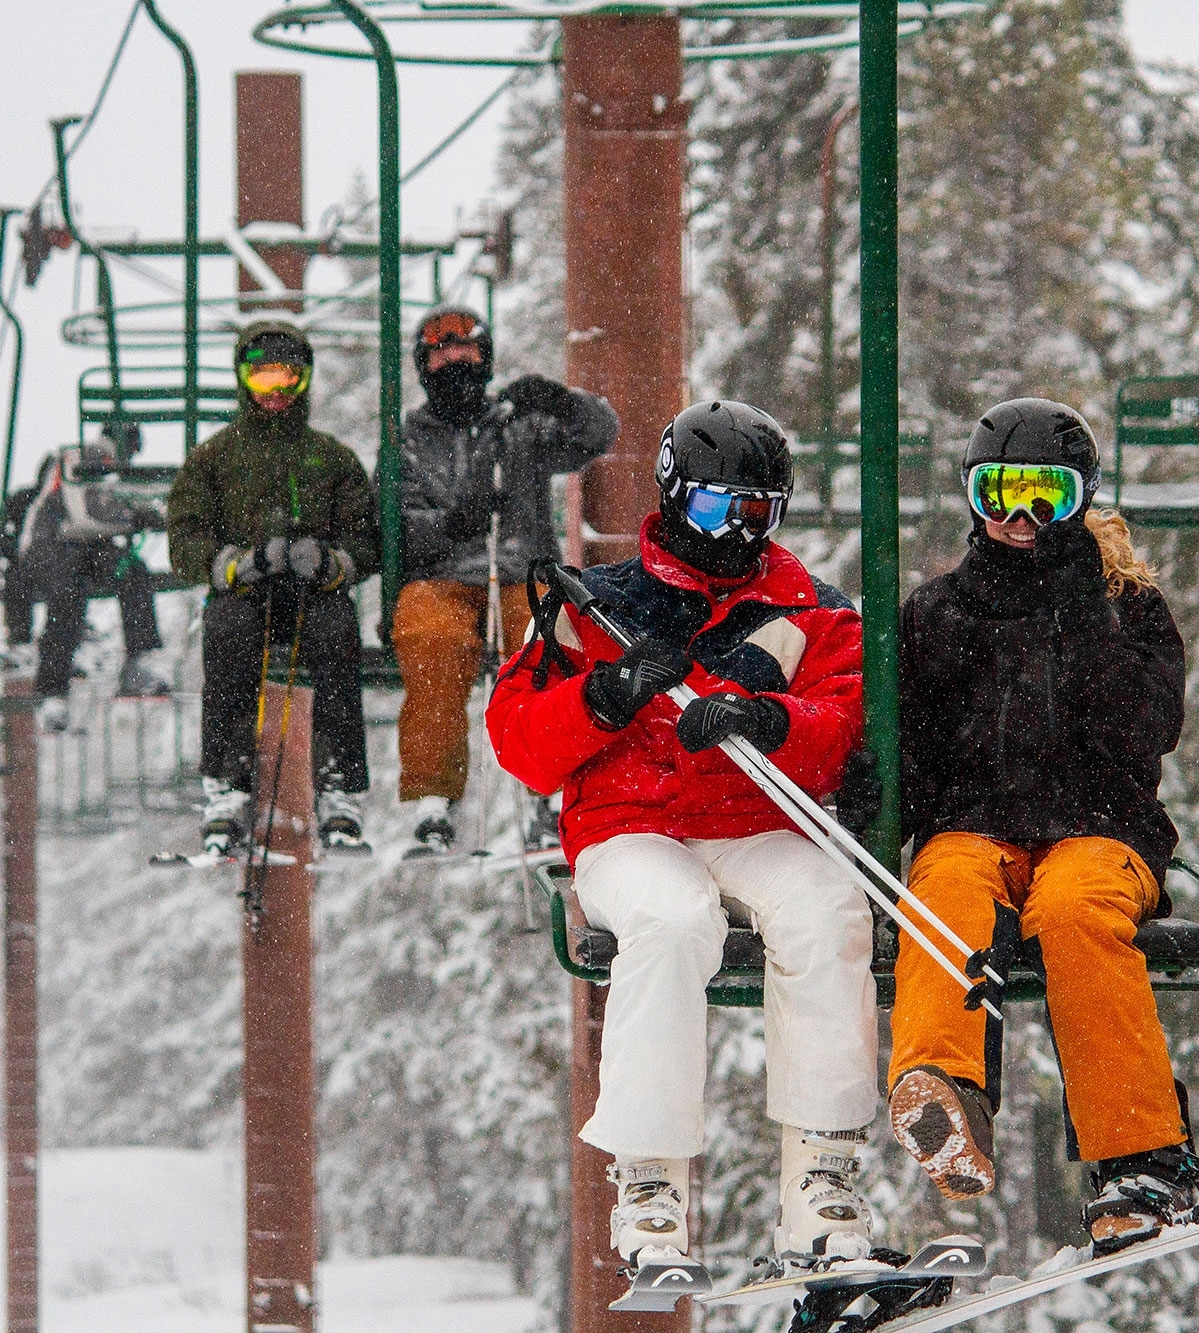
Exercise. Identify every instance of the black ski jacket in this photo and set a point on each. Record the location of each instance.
(1017, 730)
(443, 461)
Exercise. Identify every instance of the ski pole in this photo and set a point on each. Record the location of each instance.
(807, 814)
(260, 717)
(493, 649)
(495, 655)
(255, 905)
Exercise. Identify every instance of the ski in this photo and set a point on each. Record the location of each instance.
(213, 860)
(347, 847)
(1067, 1265)
(946, 1257)
(661, 1277)
(486, 862)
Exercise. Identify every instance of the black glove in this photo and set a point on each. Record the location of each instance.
(534, 393)
(1067, 556)
(860, 797)
(616, 691)
(705, 722)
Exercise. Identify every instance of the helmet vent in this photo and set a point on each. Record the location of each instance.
(986, 421)
(706, 438)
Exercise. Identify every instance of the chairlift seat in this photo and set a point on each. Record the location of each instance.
(1171, 949)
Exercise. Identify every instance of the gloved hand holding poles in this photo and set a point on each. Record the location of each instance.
(617, 691)
(707, 721)
(240, 566)
(305, 558)
(314, 561)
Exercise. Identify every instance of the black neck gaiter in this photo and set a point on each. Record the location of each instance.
(457, 393)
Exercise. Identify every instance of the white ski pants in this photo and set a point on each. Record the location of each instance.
(663, 900)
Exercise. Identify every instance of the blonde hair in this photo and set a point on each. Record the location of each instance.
(1121, 564)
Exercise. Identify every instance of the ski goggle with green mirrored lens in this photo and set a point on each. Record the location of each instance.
(1046, 492)
(275, 377)
(719, 509)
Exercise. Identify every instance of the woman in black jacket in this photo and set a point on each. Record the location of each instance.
(1041, 682)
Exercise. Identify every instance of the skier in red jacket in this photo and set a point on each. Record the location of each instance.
(666, 835)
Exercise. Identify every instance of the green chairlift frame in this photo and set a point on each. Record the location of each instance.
(817, 502)
(1155, 412)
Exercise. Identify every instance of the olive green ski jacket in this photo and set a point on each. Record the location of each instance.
(262, 477)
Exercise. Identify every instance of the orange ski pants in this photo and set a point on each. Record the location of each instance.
(1082, 898)
(438, 632)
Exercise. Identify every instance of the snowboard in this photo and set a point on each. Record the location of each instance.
(1067, 1266)
(659, 1280)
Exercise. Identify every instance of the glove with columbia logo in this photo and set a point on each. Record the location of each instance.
(617, 691)
(705, 722)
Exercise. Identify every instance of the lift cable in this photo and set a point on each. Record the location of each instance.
(86, 125)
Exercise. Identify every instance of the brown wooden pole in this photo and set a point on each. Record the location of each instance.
(625, 133)
(20, 1000)
(270, 171)
(625, 129)
(277, 1022)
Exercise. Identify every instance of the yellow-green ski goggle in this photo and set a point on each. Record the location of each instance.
(274, 377)
(1046, 492)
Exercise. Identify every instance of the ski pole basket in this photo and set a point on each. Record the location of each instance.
(1170, 946)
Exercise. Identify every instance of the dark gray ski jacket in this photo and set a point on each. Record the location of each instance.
(442, 462)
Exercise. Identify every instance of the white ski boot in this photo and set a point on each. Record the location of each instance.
(20, 659)
(434, 832)
(54, 713)
(823, 1215)
(339, 817)
(226, 816)
(651, 1204)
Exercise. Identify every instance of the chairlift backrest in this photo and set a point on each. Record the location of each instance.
(1154, 412)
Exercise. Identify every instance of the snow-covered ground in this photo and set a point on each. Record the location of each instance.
(150, 1240)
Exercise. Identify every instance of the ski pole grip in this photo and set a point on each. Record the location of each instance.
(566, 583)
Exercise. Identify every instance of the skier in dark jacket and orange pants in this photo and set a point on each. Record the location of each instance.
(452, 445)
(1041, 682)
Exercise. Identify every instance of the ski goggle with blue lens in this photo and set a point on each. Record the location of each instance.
(719, 509)
(1046, 492)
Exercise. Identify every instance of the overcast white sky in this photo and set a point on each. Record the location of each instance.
(128, 174)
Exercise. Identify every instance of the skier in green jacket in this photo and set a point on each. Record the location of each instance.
(275, 517)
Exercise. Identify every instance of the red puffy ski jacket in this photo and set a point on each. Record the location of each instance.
(782, 633)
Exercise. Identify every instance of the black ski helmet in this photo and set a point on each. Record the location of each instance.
(1036, 430)
(729, 444)
(472, 330)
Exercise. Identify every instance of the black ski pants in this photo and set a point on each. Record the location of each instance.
(331, 653)
(19, 597)
(66, 577)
